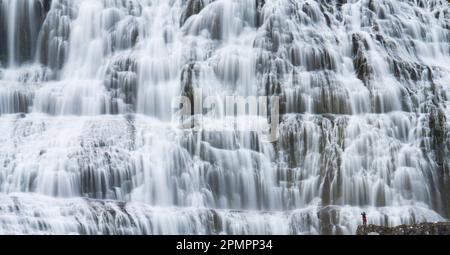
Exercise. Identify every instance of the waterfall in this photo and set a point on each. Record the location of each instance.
(88, 144)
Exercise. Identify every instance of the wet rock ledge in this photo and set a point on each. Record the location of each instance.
(437, 228)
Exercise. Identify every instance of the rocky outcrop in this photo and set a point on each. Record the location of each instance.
(437, 228)
(121, 81)
(193, 7)
(360, 59)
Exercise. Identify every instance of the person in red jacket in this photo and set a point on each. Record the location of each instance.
(364, 218)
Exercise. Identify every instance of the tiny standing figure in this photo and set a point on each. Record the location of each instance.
(364, 218)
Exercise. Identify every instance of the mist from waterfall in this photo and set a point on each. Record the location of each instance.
(88, 145)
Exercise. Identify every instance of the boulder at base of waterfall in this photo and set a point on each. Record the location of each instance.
(436, 228)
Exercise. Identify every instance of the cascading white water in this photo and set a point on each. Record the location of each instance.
(87, 145)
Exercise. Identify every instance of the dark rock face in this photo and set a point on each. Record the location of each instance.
(121, 81)
(193, 7)
(360, 61)
(19, 30)
(189, 81)
(438, 228)
(54, 36)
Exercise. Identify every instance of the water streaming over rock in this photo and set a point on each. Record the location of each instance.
(87, 145)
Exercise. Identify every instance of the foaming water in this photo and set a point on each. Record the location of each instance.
(86, 110)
